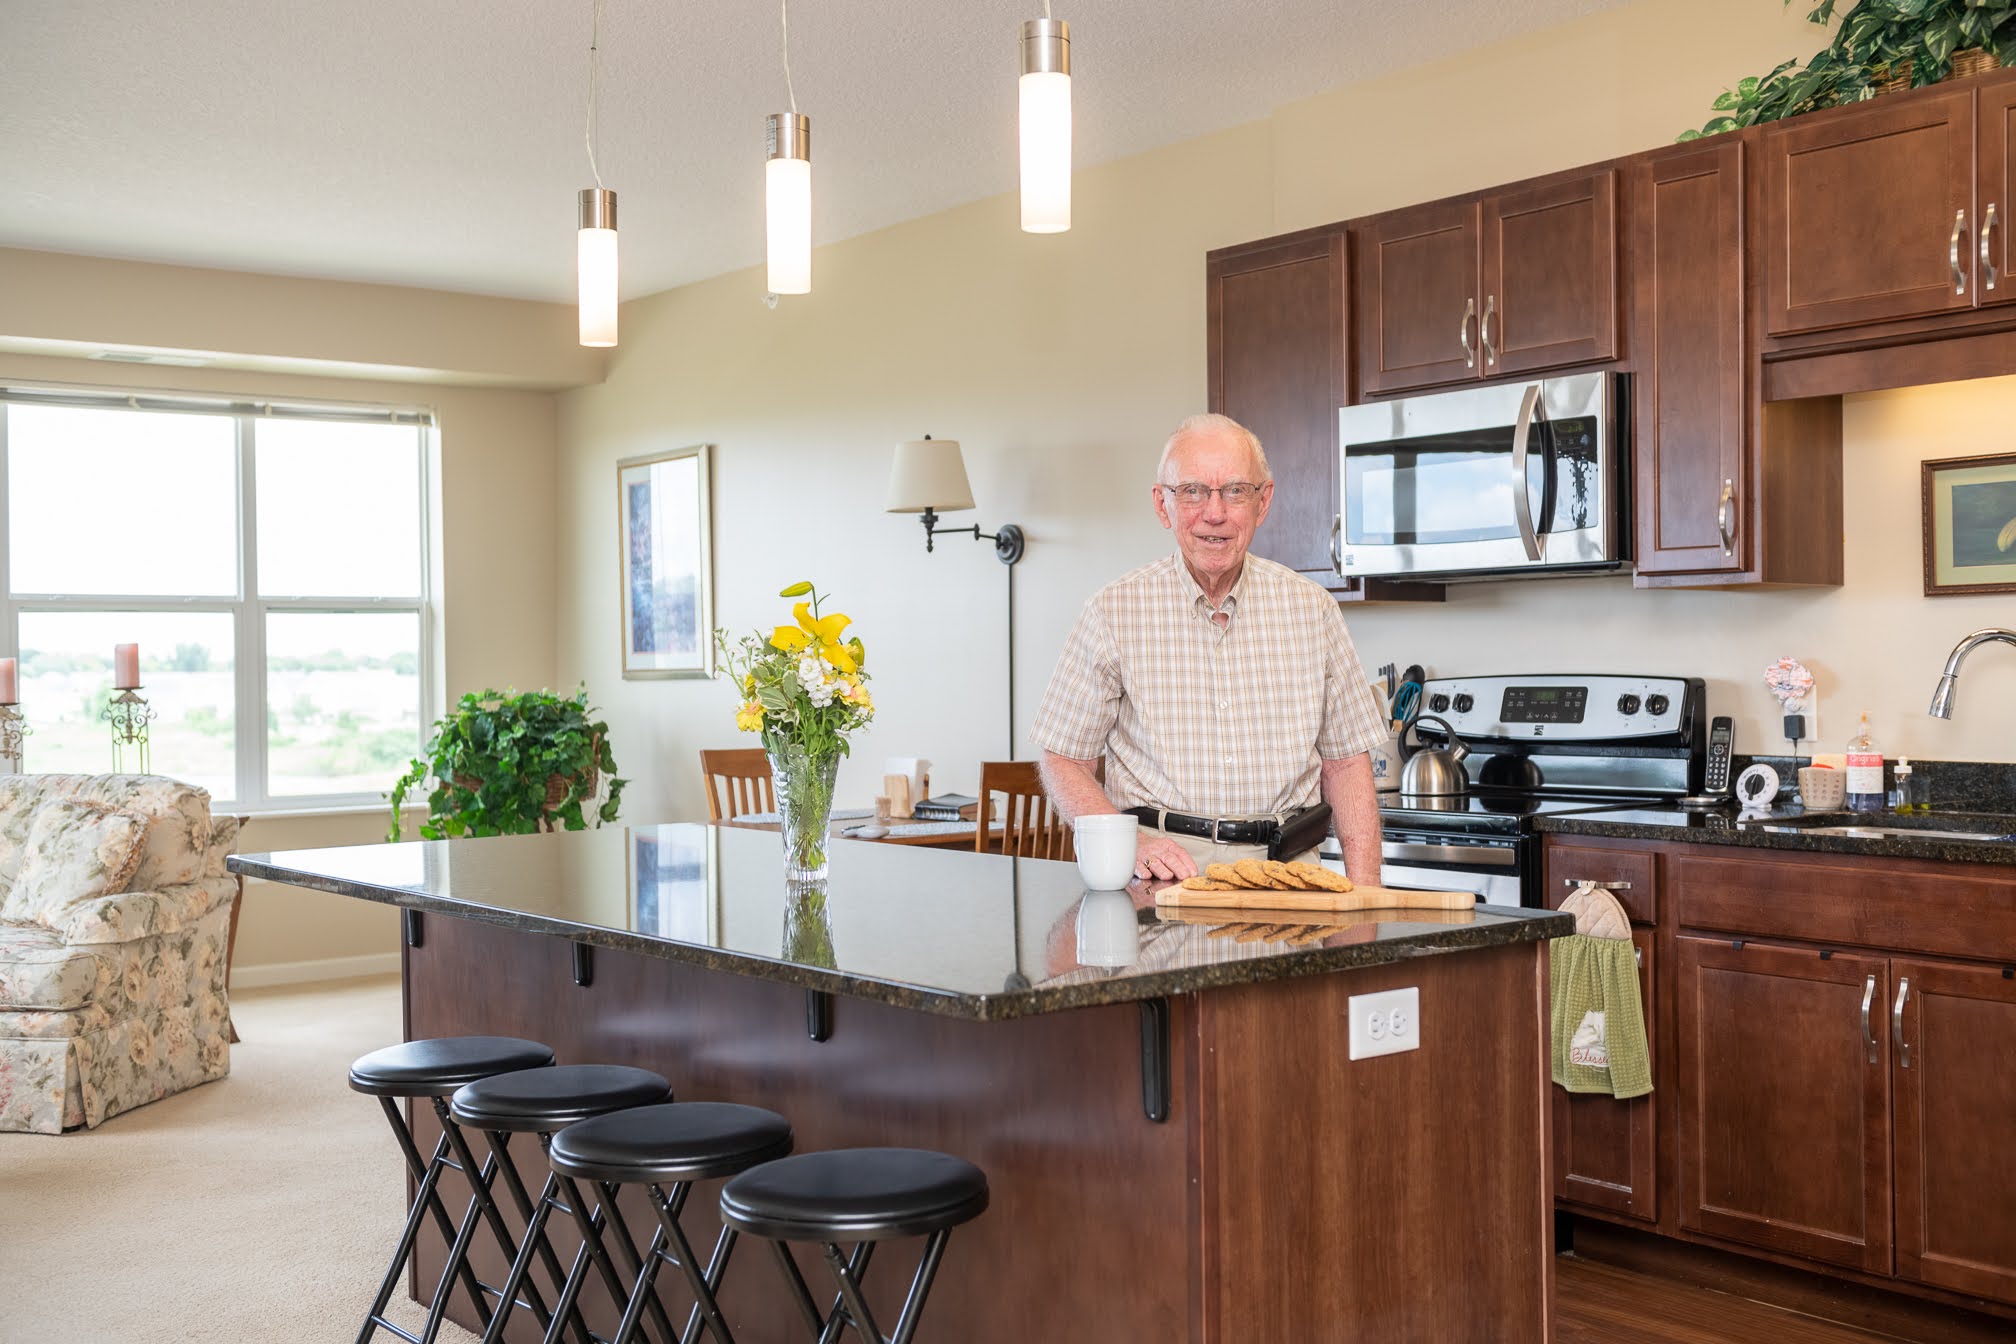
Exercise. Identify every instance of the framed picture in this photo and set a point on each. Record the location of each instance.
(673, 882)
(1970, 525)
(664, 510)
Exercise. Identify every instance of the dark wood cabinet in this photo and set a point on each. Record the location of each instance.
(1995, 191)
(1953, 1033)
(1784, 1099)
(1868, 213)
(1606, 1151)
(1513, 283)
(1275, 331)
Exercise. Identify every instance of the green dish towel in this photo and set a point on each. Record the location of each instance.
(1598, 1022)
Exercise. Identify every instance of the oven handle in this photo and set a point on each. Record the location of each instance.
(1522, 504)
(1469, 856)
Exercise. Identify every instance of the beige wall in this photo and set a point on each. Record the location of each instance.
(495, 579)
(1061, 362)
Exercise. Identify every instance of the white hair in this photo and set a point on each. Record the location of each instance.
(1213, 425)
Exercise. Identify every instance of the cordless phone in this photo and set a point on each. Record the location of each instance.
(1721, 740)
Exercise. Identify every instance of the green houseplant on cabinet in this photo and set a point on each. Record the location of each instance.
(1880, 45)
(512, 763)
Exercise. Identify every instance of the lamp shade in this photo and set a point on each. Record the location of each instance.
(928, 474)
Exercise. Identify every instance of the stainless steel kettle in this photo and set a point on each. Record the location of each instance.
(1433, 772)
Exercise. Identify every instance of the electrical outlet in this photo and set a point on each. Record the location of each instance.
(1385, 1023)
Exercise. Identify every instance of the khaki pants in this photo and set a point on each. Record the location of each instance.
(1209, 851)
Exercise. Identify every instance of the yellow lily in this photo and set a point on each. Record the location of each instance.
(824, 630)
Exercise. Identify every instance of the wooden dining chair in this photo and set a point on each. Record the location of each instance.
(1031, 827)
(745, 773)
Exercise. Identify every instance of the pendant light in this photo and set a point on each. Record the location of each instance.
(595, 244)
(1046, 124)
(787, 187)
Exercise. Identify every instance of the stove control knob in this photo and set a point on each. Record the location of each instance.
(1464, 704)
(1657, 704)
(1627, 704)
(1439, 703)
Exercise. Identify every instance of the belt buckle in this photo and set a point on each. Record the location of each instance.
(1216, 822)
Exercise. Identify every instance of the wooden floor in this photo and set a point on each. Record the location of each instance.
(1604, 1304)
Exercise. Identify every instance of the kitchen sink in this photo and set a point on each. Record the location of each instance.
(1982, 829)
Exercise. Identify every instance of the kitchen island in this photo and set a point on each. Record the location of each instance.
(1178, 1144)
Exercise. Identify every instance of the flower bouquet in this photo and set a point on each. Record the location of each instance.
(803, 689)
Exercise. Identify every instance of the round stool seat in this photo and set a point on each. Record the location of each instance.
(437, 1067)
(543, 1100)
(679, 1141)
(855, 1194)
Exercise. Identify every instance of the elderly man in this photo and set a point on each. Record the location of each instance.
(1221, 689)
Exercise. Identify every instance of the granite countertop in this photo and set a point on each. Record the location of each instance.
(978, 936)
(1922, 836)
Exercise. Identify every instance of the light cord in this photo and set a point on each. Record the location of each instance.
(785, 7)
(594, 59)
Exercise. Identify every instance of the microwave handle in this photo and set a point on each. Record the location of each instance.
(1522, 504)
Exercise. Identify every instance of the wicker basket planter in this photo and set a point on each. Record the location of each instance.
(1966, 62)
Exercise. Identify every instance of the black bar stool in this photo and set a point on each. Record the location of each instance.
(542, 1102)
(434, 1069)
(862, 1195)
(657, 1146)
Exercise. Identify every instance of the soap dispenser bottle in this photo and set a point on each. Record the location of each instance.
(1865, 771)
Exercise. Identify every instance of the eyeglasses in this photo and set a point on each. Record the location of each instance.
(1237, 494)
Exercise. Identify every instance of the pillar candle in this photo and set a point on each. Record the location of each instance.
(125, 667)
(10, 692)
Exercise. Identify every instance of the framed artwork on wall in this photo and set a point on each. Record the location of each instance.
(1970, 524)
(664, 514)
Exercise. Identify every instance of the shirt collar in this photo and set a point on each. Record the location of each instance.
(1193, 592)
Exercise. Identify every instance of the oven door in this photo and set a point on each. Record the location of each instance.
(1485, 480)
(1424, 863)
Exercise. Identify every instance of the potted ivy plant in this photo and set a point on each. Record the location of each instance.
(513, 763)
(1880, 45)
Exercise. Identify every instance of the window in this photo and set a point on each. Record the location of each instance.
(270, 561)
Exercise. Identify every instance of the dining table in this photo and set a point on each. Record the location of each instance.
(848, 823)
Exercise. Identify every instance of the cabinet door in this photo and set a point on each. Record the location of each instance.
(1868, 214)
(1690, 477)
(1606, 1151)
(1550, 277)
(1956, 1184)
(1416, 298)
(1784, 1099)
(1995, 193)
(1275, 323)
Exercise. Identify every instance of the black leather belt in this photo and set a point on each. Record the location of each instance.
(1258, 831)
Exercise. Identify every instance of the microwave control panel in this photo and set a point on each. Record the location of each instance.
(1566, 708)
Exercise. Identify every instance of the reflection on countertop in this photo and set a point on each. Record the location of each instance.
(1954, 837)
(978, 936)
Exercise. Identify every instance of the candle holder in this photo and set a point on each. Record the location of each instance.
(129, 714)
(13, 727)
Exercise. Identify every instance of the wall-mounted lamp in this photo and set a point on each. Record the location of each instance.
(929, 475)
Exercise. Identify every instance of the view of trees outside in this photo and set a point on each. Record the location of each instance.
(339, 520)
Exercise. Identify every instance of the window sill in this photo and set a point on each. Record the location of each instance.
(283, 812)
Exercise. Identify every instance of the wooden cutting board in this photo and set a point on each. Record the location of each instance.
(1358, 898)
(1223, 923)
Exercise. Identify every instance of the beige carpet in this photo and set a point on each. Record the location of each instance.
(261, 1207)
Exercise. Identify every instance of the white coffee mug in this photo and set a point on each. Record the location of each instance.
(1108, 934)
(1105, 844)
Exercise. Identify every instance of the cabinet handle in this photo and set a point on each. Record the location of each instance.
(1897, 1023)
(1988, 272)
(1639, 953)
(1725, 517)
(1868, 998)
(1336, 533)
(1953, 251)
(1484, 330)
(1463, 334)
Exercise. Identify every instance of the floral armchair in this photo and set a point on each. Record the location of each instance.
(115, 918)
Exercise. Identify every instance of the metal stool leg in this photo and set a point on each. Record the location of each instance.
(850, 1293)
(540, 1244)
(920, 1287)
(483, 1207)
(592, 1225)
(704, 1284)
(428, 1175)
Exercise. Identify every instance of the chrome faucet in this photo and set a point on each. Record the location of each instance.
(1942, 698)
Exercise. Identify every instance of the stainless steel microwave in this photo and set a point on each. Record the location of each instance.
(1486, 482)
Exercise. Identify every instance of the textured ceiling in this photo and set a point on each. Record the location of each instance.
(440, 142)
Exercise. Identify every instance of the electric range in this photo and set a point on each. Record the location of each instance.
(1540, 743)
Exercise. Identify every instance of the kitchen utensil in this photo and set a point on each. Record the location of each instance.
(1433, 772)
(1406, 702)
(1358, 898)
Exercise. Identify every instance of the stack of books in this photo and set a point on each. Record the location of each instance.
(947, 807)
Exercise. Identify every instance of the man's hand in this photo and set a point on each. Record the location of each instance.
(1162, 859)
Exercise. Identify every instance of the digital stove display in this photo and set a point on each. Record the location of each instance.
(1543, 704)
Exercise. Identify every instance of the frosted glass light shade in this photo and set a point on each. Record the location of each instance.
(788, 213)
(928, 474)
(1046, 152)
(595, 251)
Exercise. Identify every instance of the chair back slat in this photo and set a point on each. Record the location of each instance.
(743, 773)
(1031, 827)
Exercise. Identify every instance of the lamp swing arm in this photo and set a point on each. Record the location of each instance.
(1008, 542)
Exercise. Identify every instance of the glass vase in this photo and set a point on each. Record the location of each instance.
(808, 932)
(804, 783)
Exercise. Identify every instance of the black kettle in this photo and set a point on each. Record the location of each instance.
(1433, 772)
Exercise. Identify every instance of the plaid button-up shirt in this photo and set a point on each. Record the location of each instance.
(1229, 721)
